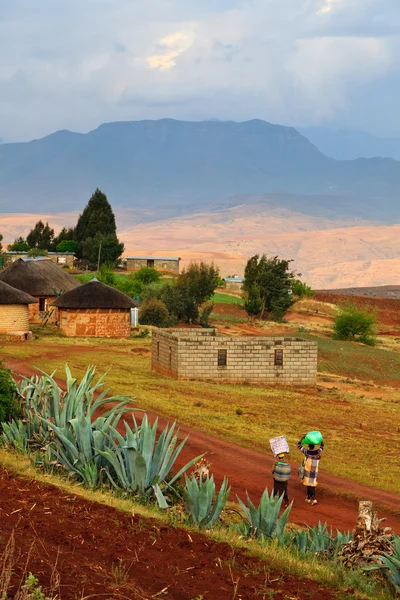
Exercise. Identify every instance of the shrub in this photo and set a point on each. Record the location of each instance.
(154, 312)
(205, 313)
(147, 275)
(8, 402)
(253, 303)
(302, 290)
(355, 324)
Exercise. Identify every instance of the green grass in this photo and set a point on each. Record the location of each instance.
(327, 573)
(266, 411)
(219, 298)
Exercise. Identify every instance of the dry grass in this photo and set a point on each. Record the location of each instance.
(266, 411)
(315, 307)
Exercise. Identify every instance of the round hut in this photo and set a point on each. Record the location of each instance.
(95, 309)
(14, 311)
(42, 279)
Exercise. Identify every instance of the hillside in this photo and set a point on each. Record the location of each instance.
(180, 164)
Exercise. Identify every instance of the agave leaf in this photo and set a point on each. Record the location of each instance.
(162, 503)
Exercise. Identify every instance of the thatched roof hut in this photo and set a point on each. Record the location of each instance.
(95, 309)
(14, 312)
(43, 280)
(38, 277)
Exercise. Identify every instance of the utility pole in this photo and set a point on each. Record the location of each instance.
(98, 259)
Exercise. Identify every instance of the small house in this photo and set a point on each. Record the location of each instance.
(94, 309)
(43, 280)
(165, 264)
(233, 284)
(14, 311)
(63, 259)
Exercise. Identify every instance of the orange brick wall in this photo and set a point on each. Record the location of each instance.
(36, 317)
(95, 323)
(14, 317)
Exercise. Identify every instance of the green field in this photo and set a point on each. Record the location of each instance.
(219, 298)
(266, 411)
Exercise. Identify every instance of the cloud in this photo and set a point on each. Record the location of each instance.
(73, 64)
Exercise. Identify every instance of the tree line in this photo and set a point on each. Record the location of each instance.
(96, 227)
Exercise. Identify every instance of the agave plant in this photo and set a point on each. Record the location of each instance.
(389, 564)
(15, 436)
(198, 497)
(318, 540)
(140, 463)
(42, 402)
(265, 521)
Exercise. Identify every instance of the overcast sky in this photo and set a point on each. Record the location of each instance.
(73, 64)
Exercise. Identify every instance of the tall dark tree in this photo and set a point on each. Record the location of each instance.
(41, 236)
(110, 251)
(1, 245)
(97, 218)
(66, 234)
(271, 280)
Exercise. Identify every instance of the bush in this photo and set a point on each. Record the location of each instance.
(302, 290)
(147, 275)
(253, 303)
(8, 402)
(154, 312)
(355, 324)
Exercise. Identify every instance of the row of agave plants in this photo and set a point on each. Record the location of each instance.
(77, 431)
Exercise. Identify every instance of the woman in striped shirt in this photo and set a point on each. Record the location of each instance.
(311, 460)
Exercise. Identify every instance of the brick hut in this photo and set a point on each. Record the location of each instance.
(14, 311)
(95, 309)
(41, 279)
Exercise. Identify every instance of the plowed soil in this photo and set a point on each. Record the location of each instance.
(92, 550)
(388, 309)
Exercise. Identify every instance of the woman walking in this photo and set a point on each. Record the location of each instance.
(311, 459)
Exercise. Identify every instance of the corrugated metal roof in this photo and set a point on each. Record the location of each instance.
(51, 253)
(234, 279)
(152, 258)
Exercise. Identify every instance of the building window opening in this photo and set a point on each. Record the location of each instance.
(278, 362)
(164, 266)
(150, 263)
(42, 304)
(222, 358)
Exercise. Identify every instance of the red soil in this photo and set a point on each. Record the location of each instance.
(81, 543)
(250, 469)
(388, 309)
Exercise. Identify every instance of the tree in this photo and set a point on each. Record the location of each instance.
(194, 286)
(273, 279)
(147, 275)
(301, 290)
(1, 245)
(355, 324)
(111, 249)
(41, 236)
(68, 246)
(34, 252)
(19, 245)
(154, 312)
(253, 303)
(64, 235)
(97, 218)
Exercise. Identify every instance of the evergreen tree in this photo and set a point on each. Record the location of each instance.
(41, 236)
(19, 245)
(68, 246)
(64, 235)
(1, 245)
(273, 280)
(111, 249)
(97, 218)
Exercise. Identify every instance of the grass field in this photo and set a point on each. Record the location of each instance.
(219, 298)
(266, 411)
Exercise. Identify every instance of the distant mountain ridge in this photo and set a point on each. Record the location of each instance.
(185, 164)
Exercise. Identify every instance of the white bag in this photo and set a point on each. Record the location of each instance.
(279, 445)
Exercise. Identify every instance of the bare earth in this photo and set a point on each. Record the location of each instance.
(329, 253)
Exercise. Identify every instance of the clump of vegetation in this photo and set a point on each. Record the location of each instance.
(301, 289)
(154, 312)
(198, 496)
(355, 324)
(268, 287)
(147, 275)
(8, 401)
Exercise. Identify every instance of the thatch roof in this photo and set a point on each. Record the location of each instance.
(38, 277)
(10, 295)
(94, 294)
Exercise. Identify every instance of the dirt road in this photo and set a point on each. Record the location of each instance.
(250, 470)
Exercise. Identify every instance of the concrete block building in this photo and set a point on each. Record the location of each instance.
(163, 264)
(94, 309)
(206, 354)
(60, 258)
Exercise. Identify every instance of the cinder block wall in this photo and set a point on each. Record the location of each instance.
(94, 323)
(14, 317)
(164, 352)
(247, 358)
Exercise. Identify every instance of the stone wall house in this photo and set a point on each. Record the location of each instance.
(43, 280)
(206, 354)
(59, 258)
(233, 284)
(14, 312)
(94, 309)
(164, 265)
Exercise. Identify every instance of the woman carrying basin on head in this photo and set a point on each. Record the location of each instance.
(307, 445)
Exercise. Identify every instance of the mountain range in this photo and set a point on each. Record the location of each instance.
(185, 165)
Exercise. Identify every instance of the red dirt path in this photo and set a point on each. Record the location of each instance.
(249, 469)
(83, 542)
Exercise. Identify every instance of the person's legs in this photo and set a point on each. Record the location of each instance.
(279, 488)
(311, 494)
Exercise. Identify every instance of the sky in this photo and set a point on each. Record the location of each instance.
(74, 64)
